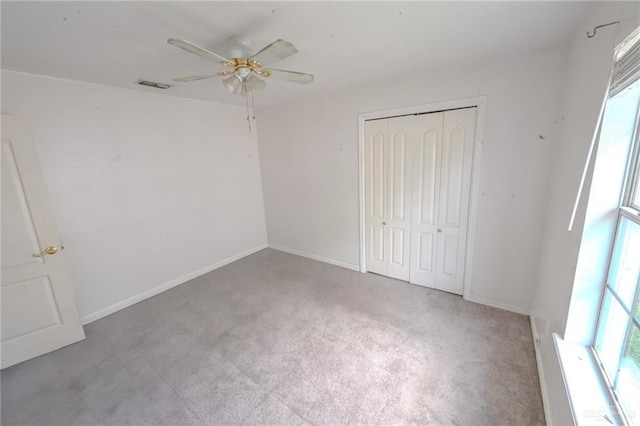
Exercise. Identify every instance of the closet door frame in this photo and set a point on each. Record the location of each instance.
(479, 103)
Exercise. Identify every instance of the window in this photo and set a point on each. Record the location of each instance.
(617, 337)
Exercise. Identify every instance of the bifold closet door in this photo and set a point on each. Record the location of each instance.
(441, 195)
(388, 196)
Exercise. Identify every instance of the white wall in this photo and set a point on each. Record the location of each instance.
(145, 188)
(586, 79)
(310, 171)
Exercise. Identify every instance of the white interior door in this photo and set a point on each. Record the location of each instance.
(441, 196)
(388, 197)
(39, 313)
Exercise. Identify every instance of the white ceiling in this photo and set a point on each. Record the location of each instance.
(342, 43)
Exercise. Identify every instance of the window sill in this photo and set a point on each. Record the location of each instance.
(590, 401)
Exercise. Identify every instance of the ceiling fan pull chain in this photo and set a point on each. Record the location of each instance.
(253, 108)
(246, 100)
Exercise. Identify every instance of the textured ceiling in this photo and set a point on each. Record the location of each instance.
(343, 43)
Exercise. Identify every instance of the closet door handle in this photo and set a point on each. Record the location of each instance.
(439, 230)
(384, 222)
(48, 250)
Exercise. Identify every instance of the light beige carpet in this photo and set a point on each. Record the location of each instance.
(278, 339)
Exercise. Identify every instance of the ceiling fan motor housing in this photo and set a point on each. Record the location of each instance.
(240, 46)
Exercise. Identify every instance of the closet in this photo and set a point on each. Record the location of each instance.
(417, 190)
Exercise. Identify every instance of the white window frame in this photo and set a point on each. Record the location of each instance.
(631, 211)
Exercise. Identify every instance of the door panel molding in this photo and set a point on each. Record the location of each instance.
(453, 147)
(428, 157)
(397, 175)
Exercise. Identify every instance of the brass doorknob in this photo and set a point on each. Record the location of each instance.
(384, 222)
(48, 250)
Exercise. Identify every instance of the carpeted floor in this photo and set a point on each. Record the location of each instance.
(278, 339)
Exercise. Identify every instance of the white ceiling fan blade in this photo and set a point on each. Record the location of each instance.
(194, 48)
(274, 52)
(293, 76)
(194, 78)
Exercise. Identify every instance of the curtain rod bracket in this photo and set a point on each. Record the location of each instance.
(595, 29)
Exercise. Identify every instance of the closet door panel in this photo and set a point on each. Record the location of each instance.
(399, 221)
(427, 146)
(455, 189)
(376, 195)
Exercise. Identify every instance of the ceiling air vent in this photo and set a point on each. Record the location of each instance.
(154, 84)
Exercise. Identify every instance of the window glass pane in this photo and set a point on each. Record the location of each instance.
(628, 384)
(612, 329)
(619, 120)
(625, 261)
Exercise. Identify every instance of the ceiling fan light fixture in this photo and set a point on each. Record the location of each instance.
(254, 85)
(242, 86)
(233, 84)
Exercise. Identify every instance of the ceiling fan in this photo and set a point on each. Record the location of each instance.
(246, 68)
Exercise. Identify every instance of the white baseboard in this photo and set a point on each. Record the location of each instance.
(496, 305)
(541, 377)
(316, 257)
(167, 285)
